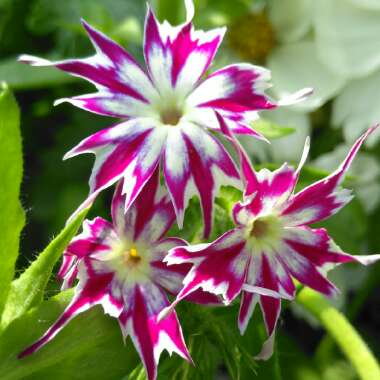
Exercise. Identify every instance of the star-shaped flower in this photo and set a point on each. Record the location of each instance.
(272, 242)
(168, 111)
(119, 266)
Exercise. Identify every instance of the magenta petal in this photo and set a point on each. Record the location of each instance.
(235, 88)
(195, 162)
(149, 335)
(306, 272)
(323, 198)
(94, 292)
(178, 56)
(131, 150)
(247, 307)
(218, 267)
(149, 217)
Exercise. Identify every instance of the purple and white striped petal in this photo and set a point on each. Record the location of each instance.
(196, 163)
(177, 57)
(149, 217)
(170, 277)
(113, 71)
(88, 294)
(219, 267)
(149, 335)
(131, 150)
(325, 197)
(235, 88)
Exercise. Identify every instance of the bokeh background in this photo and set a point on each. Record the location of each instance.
(332, 46)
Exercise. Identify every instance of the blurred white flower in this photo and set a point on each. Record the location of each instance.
(365, 170)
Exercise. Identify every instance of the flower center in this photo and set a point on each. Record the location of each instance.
(170, 116)
(131, 257)
(252, 36)
(130, 263)
(264, 234)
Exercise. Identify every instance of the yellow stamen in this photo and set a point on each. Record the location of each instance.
(133, 252)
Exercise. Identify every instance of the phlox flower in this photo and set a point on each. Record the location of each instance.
(167, 111)
(272, 243)
(119, 266)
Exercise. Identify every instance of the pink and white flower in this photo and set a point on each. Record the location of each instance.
(119, 266)
(168, 111)
(272, 242)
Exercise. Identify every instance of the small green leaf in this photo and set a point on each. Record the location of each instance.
(271, 130)
(28, 290)
(12, 217)
(89, 347)
(20, 76)
(137, 374)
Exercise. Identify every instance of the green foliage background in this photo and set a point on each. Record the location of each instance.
(91, 346)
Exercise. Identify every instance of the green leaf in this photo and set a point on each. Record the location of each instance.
(20, 76)
(271, 130)
(89, 347)
(12, 217)
(28, 290)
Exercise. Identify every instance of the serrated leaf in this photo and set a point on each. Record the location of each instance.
(28, 290)
(271, 130)
(20, 76)
(12, 217)
(89, 347)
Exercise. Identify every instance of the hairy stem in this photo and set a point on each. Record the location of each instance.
(344, 334)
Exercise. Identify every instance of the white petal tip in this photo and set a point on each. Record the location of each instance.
(32, 60)
(296, 97)
(164, 313)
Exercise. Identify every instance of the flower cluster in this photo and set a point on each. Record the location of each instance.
(169, 113)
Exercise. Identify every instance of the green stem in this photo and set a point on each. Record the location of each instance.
(326, 347)
(344, 334)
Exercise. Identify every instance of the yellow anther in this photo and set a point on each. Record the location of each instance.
(133, 253)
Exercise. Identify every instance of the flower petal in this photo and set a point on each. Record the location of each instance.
(357, 106)
(110, 104)
(178, 56)
(296, 66)
(219, 267)
(234, 88)
(347, 37)
(149, 217)
(323, 198)
(131, 150)
(112, 70)
(195, 162)
(149, 335)
(291, 19)
(88, 294)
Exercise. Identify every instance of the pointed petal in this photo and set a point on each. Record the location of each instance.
(170, 277)
(109, 103)
(285, 63)
(112, 70)
(93, 292)
(218, 267)
(196, 163)
(234, 88)
(150, 336)
(130, 150)
(323, 198)
(247, 306)
(178, 56)
(317, 246)
(149, 217)
(302, 268)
